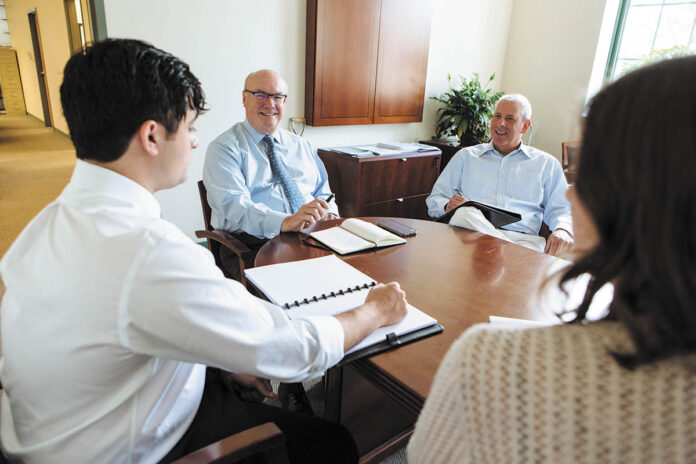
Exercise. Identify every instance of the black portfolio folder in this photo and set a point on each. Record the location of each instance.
(392, 342)
(496, 216)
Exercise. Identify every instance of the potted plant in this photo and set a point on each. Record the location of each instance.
(466, 111)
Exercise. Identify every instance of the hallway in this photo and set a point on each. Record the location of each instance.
(35, 165)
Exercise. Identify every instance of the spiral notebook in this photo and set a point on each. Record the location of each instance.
(329, 286)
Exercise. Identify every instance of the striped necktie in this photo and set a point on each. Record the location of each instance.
(292, 193)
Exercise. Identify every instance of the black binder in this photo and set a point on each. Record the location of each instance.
(496, 216)
(392, 342)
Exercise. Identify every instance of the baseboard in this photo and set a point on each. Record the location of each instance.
(40, 121)
(60, 132)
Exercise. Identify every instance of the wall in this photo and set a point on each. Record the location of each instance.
(53, 29)
(550, 52)
(223, 40)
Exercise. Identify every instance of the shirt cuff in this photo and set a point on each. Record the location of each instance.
(566, 225)
(329, 333)
(272, 223)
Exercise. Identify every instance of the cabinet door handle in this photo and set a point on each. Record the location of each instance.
(404, 159)
(400, 200)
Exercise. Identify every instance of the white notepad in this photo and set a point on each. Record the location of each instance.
(327, 286)
(356, 235)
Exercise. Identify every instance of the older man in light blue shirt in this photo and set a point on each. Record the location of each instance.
(510, 175)
(244, 193)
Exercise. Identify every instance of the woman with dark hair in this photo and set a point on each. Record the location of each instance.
(622, 389)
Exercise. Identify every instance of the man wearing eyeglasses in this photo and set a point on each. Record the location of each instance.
(263, 180)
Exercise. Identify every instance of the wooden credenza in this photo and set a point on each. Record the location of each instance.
(391, 185)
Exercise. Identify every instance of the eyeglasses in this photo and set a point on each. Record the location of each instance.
(263, 96)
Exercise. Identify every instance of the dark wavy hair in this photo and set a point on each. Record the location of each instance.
(636, 179)
(116, 85)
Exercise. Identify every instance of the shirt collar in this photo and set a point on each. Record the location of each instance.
(90, 177)
(488, 148)
(256, 136)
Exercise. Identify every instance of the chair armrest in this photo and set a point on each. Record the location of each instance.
(244, 254)
(226, 239)
(264, 438)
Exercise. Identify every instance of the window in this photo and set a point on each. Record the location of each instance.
(649, 30)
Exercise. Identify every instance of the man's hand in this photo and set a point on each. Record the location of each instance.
(560, 243)
(250, 388)
(390, 300)
(384, 305)
(310, 213)
(455, 201)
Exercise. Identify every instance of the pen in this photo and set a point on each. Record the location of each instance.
(330, 198)
(458, 192)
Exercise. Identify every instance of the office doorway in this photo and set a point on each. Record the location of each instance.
(40, 67)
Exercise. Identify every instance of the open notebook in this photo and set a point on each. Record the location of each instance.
(356, 235)
(328, 286)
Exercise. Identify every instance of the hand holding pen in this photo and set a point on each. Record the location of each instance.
(307, 215)
(456, 200)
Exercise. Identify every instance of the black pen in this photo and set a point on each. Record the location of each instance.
(330, 198)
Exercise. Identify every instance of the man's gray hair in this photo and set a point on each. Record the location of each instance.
(522, 100)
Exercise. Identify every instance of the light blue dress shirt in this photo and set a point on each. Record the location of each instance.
(242, 192)
(527, 181)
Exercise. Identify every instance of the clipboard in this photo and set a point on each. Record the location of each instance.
(496, 216)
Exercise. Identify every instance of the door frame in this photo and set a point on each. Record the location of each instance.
(35, 33)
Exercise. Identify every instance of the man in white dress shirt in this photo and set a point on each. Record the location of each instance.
(111, 313)
(508, 174)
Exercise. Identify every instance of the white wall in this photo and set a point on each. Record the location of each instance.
(550, 52)
(224, 40)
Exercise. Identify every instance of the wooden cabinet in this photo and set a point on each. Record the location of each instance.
(366, 61)
(392, 185)
(10, 82)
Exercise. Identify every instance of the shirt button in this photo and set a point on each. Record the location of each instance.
(272, 235)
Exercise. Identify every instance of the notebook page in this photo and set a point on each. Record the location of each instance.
(341, 240)
(287, 282)
(371, 232)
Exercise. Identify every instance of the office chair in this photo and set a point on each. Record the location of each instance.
(569, 159)
(217, 238)
(265, 443)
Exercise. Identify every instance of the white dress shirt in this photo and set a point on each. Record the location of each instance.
(107, 313)
(243, 193)
(527, 181)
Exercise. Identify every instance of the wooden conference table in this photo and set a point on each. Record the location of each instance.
(455, 275)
